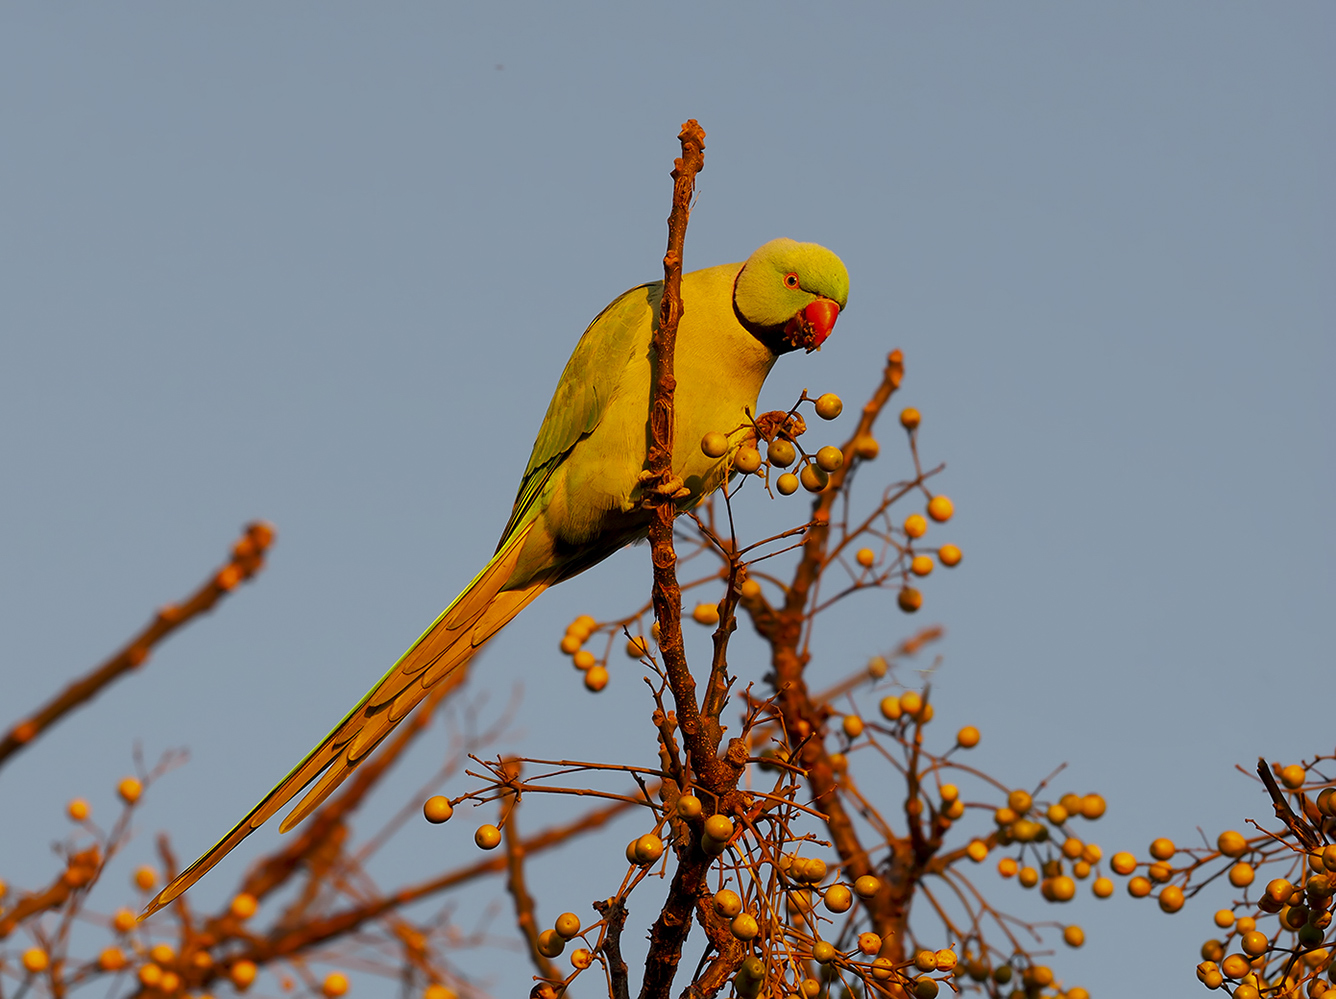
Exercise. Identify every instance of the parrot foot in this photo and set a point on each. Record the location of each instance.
(657, 491)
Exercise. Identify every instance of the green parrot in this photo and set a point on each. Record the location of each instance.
(580, 498)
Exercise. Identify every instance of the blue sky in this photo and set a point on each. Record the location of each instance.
(323, 264)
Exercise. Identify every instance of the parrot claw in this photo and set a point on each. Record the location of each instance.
(662, 492)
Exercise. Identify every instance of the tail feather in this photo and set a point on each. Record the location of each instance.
(474, 616)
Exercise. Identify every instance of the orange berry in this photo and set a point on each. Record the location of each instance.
(1139, 887)
(853, 726)
(1007, 867)
(909, 599)
(335, 984)
(744, 926)
(706, 614)
(243, 974)
(1092, 806)
(839, 898)
(581, 958)
(583, 659)
(1293, 776)
(714, 444)
(1241, 875)
(245, 905)
(911, 702)
(145, 878)
(638, 647)
(649, 848)
(1073, 936)
(866, 557)
(150, 976)
(437, 809)
(787, 484)
(596, 678)
(1019, 801)
(829, 459)
(746, 459)
(977, 851)
(1123, 863)
(129, 789)
(78, 810)
(921, 566)
(909, 418)
(968, 737)
(869, 943)
(867, 886)
(1162, 849)
(35, 960)
(570, 644)
(488, 837)
(438, 991)
(124, 921)
(1102, 887)
(1231, 843)
(1224, 919)
(1254, 944)
(1029, 877)
(829, 406)
(890, 708)
(915, 525)
(948, 555)
(813, 479)
(550, 944)
(1171, 898)
(727, 903)
(112, 959)
(940, 509)
(719, 828)
(867, 448)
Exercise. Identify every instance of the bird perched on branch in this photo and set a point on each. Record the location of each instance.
(580, 498)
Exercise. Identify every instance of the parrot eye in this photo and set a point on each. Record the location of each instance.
(790, 280)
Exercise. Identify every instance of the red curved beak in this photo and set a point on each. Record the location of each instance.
(809, 328)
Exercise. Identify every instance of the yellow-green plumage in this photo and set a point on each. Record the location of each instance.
(580, 497)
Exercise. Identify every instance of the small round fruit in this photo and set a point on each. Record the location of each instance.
(867, 448)
(909, 418)
(921, 565)
(853, 726)
(940, 509)
(437, 809)
(243, 973)
(787, 484)
(637, 647)
(947, 960)
(883, 968)
(948, 555)
(488, 837)
(124, 921)
(823, 952)
(829, 406)
(1254, 944)
(925, 988)
(890, 708)
(911, 702)
(747, 459)
(1062, 889)
(1139, 887)
(145, 878)
(719, 827)
(567, 925)
(867, 886)
(581, 958)
(150, 976)
(1162, 848)
(915, 525)
(689, 806)
(78, 810)
(335, 984)
(1073, 936)
(839, 898)
(35, 960)
(727, 903)
(1293, 776)
(706, 614)
(596, 678)
(977, 851)
(781, 453)
(1102, 888)
(1235, 966)
(1231, 843)
(112, 959)
(926, 960)
(129, 789)
(1019, 801)
(869, 943)
(744, 926)
(1279, 890)
(1093, 806)
(649, 848)
(813, 479)
(829, 458)
(550, 943)
(714, 444)
(244, 905)
(1123, 863)
(866, 557)
(909, 599)
(570, 644)
(583, 659)
(967, 737)
(1029, 877)
(1241, 875)
(438, 991)
(1224, 919)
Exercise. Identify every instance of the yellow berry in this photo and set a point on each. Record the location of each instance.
(581, 958)
(123, 921)
(890, 708)
(162, 953)
(909, 599)
(583, 659)
(813, 479)
(570, 644)
(921, 566)
(948, 555)
(915, 525)
(787, 484)
(243, 974)
(688, 806)
(1007, 867)
(839, 898)
(550, 943)
(335, 984)
(1293, 776)
(714, 444)
(1091, 853)
(438, 991)
(1254, 944)
(1102, 887)
(823, 952)
(1123, 863)
(1224, 919)
(1056, 815)
(1019, 801)
(853, 726)
(1162, 849)
(1279, 890)
(940, 509)
(78, 810)
(112, 959)
(706, 614)
(1139, 887)
(649, 848)
(869, 943)
(867, 886)
(747, 459)
(946, 959)
(437, 809)
(977, 851)
(925, 960)
(1073, 936)
(780, 453)
(145, 878)
(867, 448)
(909, 418)
(596, 678)
(911, 702)
(1029, 877)
(1171, 898)
(488, 837)
(1061, 889)
(1231, 843)
(1092, 806)
(150, 976)
(829, 458)
(968, 737)
(129, 789)
(727, 903)
(829, 406)
(744, 926)
(866, 557)
(719, 828)
(244, 905)
(35, 960)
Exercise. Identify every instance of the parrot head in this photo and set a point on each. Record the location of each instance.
(789, 294)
